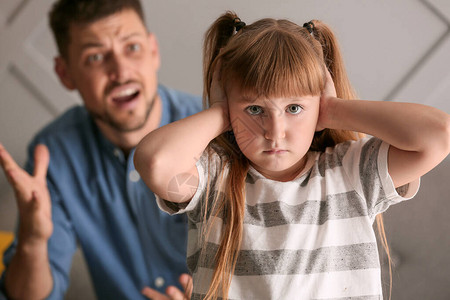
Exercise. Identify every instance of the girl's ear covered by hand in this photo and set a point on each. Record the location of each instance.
(328, 93)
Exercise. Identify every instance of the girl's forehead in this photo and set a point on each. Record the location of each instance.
(275, 90)
(273, 102)
(238, 95)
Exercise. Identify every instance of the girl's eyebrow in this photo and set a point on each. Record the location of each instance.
(254, 100)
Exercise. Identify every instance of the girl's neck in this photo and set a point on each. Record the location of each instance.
(290, 174)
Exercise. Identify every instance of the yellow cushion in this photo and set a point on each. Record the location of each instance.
(6, 238)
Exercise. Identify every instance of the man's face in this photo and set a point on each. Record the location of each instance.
(113, 64)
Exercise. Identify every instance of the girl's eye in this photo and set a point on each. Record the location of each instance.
(94, 58)
(294, 109)
(254, 110)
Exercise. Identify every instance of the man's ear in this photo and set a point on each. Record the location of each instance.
(154, 50)
(62, 71)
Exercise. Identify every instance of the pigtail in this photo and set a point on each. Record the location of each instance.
(335, 64)
(216, 38)
(232, 204)
(333, 61)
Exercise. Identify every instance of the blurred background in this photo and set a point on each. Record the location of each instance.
(395, 50)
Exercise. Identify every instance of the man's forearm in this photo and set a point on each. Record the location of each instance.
(28, 275)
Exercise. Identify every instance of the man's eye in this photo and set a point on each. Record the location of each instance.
(254, 110)
(294, 109)
(95, 58)
(134, 47)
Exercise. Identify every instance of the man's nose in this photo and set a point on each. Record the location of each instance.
(118, 68)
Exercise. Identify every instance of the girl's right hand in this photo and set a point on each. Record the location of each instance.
(217, 95)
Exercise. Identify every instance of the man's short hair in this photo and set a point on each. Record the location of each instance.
(67, 12)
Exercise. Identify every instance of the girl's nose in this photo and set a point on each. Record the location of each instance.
(275, 128)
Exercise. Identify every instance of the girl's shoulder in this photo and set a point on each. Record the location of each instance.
(349, 154)
(364, 146)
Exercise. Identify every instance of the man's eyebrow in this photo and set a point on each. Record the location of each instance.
(95, 44)
(91, 45)
(131, 35)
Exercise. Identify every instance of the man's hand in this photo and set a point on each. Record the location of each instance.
(172, 293)
(32, 195)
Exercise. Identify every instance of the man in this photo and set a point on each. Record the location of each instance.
(84, 188)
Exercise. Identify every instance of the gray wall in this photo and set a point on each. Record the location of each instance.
(394, 50)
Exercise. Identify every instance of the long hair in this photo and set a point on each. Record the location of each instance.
(269, 58)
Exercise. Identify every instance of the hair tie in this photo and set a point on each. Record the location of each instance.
(310, 27)
(238, 24)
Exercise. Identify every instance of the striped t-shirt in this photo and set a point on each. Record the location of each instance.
(309, 238)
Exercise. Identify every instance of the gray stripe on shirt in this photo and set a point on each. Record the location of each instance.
(369, 297)
(371, 185)
(338, 206)
(289, 262)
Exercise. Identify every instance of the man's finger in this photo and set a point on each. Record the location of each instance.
(175, 294)
(186, 282)
(13, 172)
(8, 163)
(153, 294)
(41, 160)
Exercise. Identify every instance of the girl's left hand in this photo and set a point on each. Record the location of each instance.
(328, 94)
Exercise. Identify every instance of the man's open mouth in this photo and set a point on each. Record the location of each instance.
(126, 95)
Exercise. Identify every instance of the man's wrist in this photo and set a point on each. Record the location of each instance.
(32, 247)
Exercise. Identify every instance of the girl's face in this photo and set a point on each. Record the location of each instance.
(274, 134)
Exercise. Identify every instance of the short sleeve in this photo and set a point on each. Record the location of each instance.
(207, 168)
(366, 164)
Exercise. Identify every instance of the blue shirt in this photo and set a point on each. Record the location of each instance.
(100, 202)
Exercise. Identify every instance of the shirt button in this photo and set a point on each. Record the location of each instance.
(134, 176)
(159, 282)
(117, 152)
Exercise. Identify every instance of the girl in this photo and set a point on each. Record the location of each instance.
(280, 190)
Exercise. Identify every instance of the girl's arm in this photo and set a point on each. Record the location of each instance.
(168, 154)
(419, 135)
(171, 152)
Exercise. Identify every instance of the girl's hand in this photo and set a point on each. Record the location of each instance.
(218, 97)
(326, 100)
(217, 94)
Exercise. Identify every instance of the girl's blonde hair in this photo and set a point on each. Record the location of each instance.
(269, 58)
